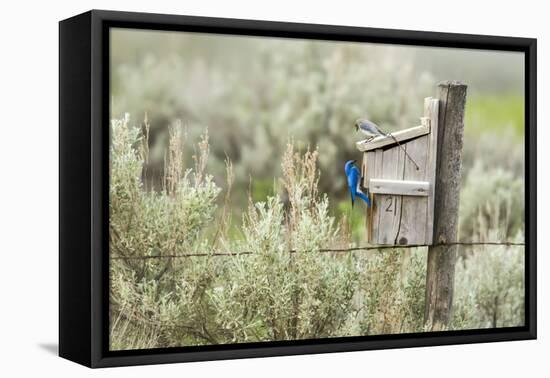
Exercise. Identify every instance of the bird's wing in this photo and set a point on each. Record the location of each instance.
(358, 181)
(370, 127)
(358, 192)
(364, 128)
(353, 178)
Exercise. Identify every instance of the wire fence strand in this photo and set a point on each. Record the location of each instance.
(323, 250)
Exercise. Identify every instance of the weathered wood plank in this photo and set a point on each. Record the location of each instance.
(369, 171)
(385, 141)
(414, 209)
(376, 204)
(442, 258)
(399, 187)
(389, 211)
(364, 183)
(364, 166)
(431, 113)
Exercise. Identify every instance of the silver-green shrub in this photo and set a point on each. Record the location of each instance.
(278, 285)
(270, 277)
(491, 199)
(150, 295)
(489, 280)
(490, 288)
(393, 291)
(287, 289)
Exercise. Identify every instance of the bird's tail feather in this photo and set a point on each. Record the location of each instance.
(364, 198)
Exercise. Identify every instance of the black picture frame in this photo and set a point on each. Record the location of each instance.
(83, 182)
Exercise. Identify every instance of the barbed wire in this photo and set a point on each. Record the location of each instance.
(323, 250)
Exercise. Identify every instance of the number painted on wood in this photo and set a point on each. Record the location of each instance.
(391, 201)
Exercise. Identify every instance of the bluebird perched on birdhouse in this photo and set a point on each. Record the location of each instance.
(368, 128)
(371, 130)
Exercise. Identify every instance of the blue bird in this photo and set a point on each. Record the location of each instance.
(353, 176)
(371, 131)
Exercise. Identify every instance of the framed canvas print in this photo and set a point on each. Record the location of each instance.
(234, 188)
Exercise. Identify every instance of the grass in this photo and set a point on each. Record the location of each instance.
(355, 218)
(492, 113)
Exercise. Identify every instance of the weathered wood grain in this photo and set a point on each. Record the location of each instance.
(431, 115)
(378, 160)
(399, 187)
(442, 258)
(414, 209)
(389, 210)
(369, 170)
(364, 166)
(386, 141)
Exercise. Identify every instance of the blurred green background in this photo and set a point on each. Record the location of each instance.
(255, 94)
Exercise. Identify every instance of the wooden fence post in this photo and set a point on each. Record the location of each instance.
(442, 258)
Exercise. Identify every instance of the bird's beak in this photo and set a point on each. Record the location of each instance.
(356, 127)
(354, 161)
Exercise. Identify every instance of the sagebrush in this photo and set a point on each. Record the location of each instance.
(264, 277)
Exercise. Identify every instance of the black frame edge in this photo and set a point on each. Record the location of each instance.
(75, 338)
(531, 184)
(171, 22)
(99, 186)
(388, 342)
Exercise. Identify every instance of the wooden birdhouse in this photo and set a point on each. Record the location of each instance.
(399, 175)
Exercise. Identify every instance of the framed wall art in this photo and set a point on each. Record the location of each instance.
(234, 188)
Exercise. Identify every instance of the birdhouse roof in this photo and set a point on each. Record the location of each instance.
(401, 136)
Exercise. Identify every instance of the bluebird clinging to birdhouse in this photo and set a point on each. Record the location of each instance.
(353, 176)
